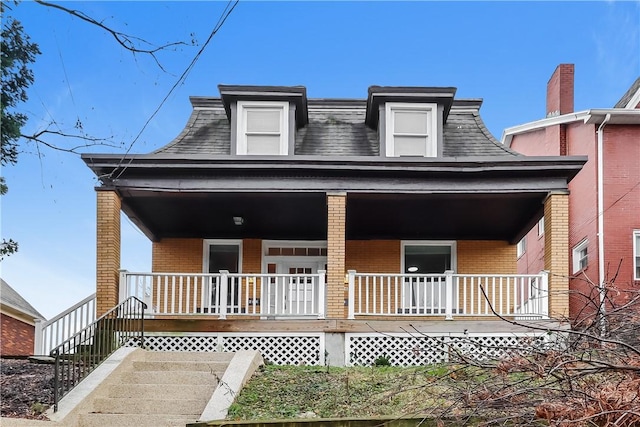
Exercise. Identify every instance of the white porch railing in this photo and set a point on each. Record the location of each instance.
(448, 294)
(51, 333)
(224, 293)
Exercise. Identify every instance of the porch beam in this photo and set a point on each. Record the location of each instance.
(107, 250)
(556, 252)
(336, 244)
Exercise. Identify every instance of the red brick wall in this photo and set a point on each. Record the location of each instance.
(621, 203)
(560, 90)
(17, 337)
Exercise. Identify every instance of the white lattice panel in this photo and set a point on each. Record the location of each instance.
(401, 350)
(418, 349)
(492, 346)
(280, 349)
(181, 343)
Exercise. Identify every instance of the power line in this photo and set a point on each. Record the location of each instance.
(223, 17)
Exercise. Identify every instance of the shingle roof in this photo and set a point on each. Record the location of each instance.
(635, 87)
(11, 298)
(335, 128)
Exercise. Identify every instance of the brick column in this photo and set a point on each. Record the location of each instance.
(556, 252)
(336, 224)
(108, 251)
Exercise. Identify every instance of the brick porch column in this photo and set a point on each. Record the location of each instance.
(336, 224)
(108, 250)
(556, 252)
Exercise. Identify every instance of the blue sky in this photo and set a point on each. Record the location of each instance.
(503, 52)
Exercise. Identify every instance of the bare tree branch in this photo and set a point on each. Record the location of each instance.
(129, 42)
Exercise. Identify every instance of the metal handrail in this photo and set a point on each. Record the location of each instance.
(78, 356)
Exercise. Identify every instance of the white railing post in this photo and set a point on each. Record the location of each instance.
(351, 295)
(224, 292)
(38, 338)
(544, 293)
(321, 294)
(123, 285)
(448, 295)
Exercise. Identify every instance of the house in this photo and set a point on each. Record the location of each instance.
(18, 319)
(335, 230)
(604, 199)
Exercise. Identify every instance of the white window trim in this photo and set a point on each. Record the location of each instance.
(209, 242)
(452, 243)
(279, 260)
(432, 108)
(521, 247)
(575, 255)
(636, 254)
(541, 227)
(241, 124)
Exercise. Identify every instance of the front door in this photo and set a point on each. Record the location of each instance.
(293, 291)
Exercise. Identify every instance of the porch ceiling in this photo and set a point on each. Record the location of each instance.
(303, 216)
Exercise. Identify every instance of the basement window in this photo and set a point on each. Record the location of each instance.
(636, 254)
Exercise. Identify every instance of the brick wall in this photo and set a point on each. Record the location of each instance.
(177, 256)
(373, 256)
(560, 90)
(556, 257)
(621, 204)
(17, 337)
(479, 256)
(336, 247)
(108, 251)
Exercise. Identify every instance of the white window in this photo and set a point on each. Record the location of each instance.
(411, 130)
(580, 256)
(522, 247)
(262, 128)
(636, 254)
(541, 227)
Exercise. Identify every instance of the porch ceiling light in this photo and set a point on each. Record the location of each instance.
(238, 220)
(412, 269)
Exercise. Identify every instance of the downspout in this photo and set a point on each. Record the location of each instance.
(600, 178)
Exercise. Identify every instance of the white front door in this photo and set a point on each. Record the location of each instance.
(294, 290)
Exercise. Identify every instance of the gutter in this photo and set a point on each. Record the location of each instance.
(600, 178)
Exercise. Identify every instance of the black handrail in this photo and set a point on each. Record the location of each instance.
(78, 356)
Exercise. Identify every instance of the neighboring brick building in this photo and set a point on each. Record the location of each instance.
(604, 200)
(17, 322)
(294, 223)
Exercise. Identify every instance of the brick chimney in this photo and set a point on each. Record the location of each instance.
(560, 91)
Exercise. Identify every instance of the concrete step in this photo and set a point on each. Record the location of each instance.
(126, 405)
(214, 367)
(154, 391)
(188, 356)
(171, 377)
(128, 420)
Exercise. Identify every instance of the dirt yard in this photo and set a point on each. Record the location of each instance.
(26, 388)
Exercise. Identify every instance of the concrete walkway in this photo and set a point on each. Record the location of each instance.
(137, 388)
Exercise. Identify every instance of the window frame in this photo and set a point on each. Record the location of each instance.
(521, 247)
(541, 227)
(243, 107)
(453, 244)
(576, 258)
(636, 254)
(205, 252)
(431, 148)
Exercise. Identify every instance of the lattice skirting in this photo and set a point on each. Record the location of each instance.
(359, 349)
(419, 349)
(276, 348)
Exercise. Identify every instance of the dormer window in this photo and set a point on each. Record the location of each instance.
(263, 128)
(411, 129)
